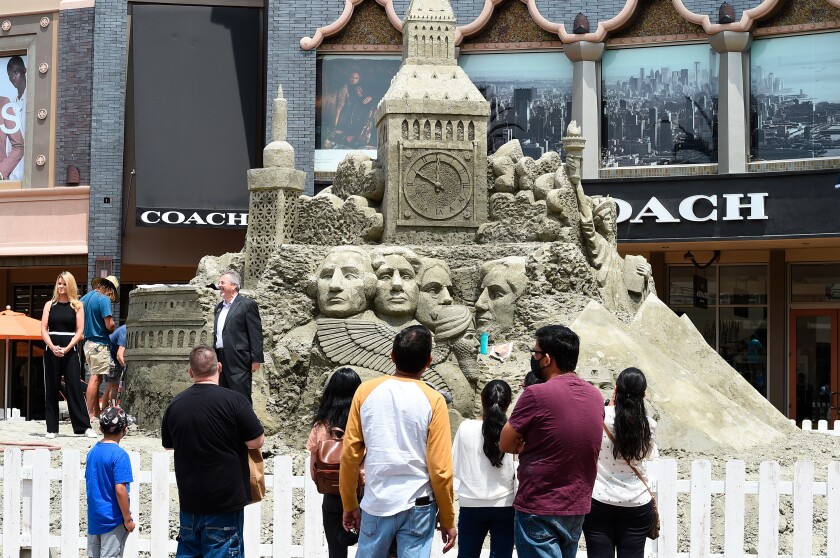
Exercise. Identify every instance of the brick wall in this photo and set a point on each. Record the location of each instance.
(75, 93)
(711, 7)
(107, 132)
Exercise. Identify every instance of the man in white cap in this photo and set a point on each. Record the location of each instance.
(99, 322)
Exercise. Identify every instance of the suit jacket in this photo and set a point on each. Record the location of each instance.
(242, 335)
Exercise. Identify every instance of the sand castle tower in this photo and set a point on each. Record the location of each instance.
(432, 126)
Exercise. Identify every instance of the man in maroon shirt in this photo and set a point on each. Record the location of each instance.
(556, 428)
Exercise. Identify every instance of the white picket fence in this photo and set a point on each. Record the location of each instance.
(11, 414)
(27, 479)
(822, 427)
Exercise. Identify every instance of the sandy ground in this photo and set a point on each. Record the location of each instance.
(799, 446)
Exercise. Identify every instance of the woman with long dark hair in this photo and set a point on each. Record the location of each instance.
(62, 327)
(332, 413)
(622, 506)
(484, 477)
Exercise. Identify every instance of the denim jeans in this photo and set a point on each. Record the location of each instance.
(473, 526)
(547, 536)
(413, 529)
(211, 535)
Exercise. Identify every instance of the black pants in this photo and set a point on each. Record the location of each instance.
(337, 538)
(70, 368)
(236, 380)
(610, 529)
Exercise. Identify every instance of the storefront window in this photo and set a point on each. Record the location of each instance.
(815, 282)
(659, 106)
(681, 292)
(743, 284)
(794, 98)
(735, 322)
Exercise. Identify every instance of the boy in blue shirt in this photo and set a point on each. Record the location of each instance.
(107, 475)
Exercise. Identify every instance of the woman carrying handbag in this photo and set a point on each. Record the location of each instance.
(332, 413)
(623, 511)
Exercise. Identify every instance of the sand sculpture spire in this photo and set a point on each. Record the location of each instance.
(432, 126)
(429, 33)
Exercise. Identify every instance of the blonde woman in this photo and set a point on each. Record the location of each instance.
(62, 326)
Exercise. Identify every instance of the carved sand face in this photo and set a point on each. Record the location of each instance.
(573, 169)
(341, 284)
(605, 224)
(396, 287)
(494, 309)
(434, 293)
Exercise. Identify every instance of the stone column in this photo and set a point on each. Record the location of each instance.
(275, 189)
(732, 141)
(586, 105)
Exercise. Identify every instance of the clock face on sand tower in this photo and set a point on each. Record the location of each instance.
(437, 185)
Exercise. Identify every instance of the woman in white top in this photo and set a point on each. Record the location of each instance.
(484, 478)
(622, 508)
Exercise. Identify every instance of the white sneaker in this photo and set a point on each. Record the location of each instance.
(91, 434)
(50, 435)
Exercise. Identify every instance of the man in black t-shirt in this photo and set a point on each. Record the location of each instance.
(211, 428)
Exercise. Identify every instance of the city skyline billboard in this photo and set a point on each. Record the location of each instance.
(659, 106)
(795, 97)
(13, 93)
(530, 95)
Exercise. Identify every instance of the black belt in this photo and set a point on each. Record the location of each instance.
(423, 501)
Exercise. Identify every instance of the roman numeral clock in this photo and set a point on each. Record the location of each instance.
(436, 186)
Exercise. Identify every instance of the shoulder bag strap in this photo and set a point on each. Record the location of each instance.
(641, 478)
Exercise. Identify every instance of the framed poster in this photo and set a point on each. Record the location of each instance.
(348, 90)
(13, 116)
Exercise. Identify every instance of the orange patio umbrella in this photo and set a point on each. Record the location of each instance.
(16, 325)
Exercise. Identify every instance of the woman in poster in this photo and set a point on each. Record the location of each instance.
(353, 115)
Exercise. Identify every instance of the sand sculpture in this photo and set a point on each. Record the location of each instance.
(436, 232)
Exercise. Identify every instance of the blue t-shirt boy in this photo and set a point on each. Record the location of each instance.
(107, 466)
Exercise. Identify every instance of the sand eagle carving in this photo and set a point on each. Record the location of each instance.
(364, 343)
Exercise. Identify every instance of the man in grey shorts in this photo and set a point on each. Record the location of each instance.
(99, 322)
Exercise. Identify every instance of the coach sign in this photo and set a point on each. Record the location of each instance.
(744, 206)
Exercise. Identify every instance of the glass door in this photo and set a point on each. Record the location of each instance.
(814, 378)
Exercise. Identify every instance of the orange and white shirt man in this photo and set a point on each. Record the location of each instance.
(400, 427)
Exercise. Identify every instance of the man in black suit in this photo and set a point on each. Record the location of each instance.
(237, 330)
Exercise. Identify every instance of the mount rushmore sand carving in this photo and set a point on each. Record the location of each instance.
(435, 232)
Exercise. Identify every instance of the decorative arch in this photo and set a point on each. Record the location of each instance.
(604, 27)
(479, 23)
(599, 35)
(309, 43)
(748, 17)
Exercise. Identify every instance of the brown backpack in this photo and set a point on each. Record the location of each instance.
(326, 461)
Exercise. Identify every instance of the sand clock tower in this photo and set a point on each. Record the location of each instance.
(432, 126)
